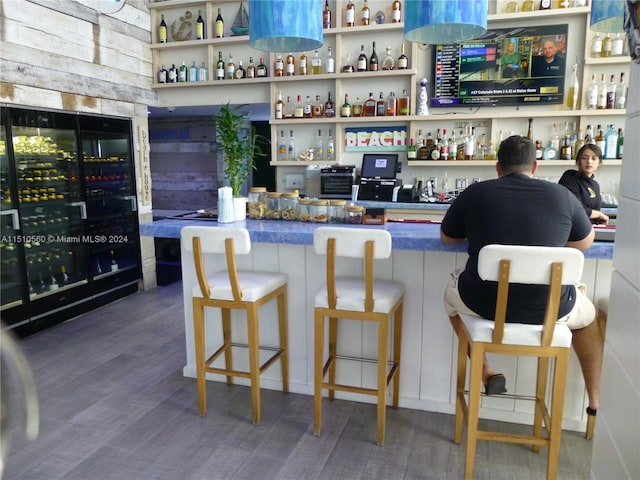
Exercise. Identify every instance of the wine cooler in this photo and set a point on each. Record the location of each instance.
(69, 226)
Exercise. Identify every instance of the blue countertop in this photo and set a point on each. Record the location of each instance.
(405, 236)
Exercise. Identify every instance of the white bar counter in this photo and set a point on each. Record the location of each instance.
(419, 260)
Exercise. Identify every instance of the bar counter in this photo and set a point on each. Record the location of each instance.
(423, 264)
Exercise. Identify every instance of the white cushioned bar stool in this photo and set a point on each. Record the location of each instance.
(360, 298)
(232, 289)
(505, 264)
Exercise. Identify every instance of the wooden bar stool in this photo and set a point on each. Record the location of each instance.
(601, 318)
(230, 289)
(505, 264)
(363, 299)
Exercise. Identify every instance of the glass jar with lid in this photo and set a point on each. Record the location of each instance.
(304, 209)
(273, 206)
(354, 214)
(337, 211)
(320, 211)
(288, 206)
(256, 202)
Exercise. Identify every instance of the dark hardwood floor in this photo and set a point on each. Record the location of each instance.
(115, 406)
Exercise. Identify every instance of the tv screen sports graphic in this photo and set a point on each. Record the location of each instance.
(508, 66)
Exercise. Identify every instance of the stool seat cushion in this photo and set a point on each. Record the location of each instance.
(351, 295)
(254, 285)
(481, 330)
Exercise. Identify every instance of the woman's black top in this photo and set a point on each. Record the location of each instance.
(586, 189)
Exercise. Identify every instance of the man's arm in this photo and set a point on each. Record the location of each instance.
(585, 243)
(450, 240)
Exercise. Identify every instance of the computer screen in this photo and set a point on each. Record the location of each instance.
(379, 165)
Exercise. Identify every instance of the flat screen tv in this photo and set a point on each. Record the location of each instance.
(379, 165)
(507, 66)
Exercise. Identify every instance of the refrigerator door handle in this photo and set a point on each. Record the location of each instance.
(83, 209)
(134, 203)
(15, 218)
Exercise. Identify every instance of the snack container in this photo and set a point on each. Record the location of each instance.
(288, 206)
(273, 206)
(354, 214)
(320, 211)
(304, 209)
(257, 203)
(337, 211)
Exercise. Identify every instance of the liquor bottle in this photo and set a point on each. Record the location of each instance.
(470, 143)
(392, 105)
(326, 15)
(621, 93)
(381, 106)
(282, 147)
(330, 151)
(388, 62)
(592, 94)
(329, 62)
(596, 45)
(219, 25)
(163, 75)
(530, 129)
(317, 108)
(403, 60)
(348, 66)
(545, 4)
(291, 147)
(231, 68)
(528, 6)
(444, 146)
(345, 110)
(412, 152)
(221, 69)
(303, 64)
(620, 149)
(193, 72)
(356, 108)
(329, 107)
(240, 71)
(251, 69)
(550, 152)
(279, 107)
(579, 144)
(600, 142)
(564, 4)
(512, 7)
(298, 111)
(362, 60)
(183, 73)
(278, 66)
(203, 73)
(173, 73)
(369, 107)
(617, 46)
(491, 153)
(565, 149)
(261, 70)
(611, 92)
(611, 143)
(423, 99)
(555, 138)
(395, 11)
(365, 13)
(607, 45)
(316, 64)
(307, 109)
(288, 108)
(162, 30)
(319, 146)
(602, 94)
(200, 31)
(574, 88)
(290, 65)
(453, 145)
(350, 16)
(588, 137)
(538, 150)
(373, 60)
(404, 103)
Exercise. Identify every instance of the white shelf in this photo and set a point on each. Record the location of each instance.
(491, 163)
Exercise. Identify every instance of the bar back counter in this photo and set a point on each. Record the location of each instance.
(420, 261)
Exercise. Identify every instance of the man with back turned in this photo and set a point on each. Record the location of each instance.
(517, 209)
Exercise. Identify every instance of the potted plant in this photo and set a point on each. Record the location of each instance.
(239, 148)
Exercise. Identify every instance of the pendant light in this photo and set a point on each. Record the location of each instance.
(607, 16)
(444, 21)
(285, 25)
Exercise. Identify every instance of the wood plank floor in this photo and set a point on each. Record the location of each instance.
(115, 406)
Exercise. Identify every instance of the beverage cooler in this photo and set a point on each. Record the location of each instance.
(69, 226)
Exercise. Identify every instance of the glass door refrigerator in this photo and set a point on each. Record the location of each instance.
(50, 246)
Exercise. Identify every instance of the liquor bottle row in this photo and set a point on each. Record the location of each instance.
(322, 149)
(532, 5)
(609, 46)
(365, 16)
(605, 95)
(565, 147)
(465, 146)
(183, 73)
(185, 34)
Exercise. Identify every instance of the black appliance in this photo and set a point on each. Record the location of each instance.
(378, 177)
(337, 181)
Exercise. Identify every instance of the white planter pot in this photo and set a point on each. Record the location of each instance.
(239, 208)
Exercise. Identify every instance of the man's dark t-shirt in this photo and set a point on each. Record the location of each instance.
(514, 210)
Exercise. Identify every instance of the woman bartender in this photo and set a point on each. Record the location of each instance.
(582, 184)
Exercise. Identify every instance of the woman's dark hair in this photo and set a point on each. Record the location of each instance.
(589, 146)
(516, 154)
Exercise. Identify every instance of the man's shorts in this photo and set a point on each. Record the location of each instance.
(581, 315)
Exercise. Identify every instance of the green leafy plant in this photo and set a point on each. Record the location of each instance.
(239, 149)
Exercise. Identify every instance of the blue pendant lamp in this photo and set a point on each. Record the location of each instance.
(444, 21)
(285, 25)
(607, 15)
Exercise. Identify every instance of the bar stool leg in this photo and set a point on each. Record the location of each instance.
(475, 381)
(254, 361)
(463, 347)
(226, 339)
(198, 333)
(284, 339)
(318, 336)
(397, 338)
(541, 388)
(383, 346)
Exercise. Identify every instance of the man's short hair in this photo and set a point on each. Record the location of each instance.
(516, 154)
